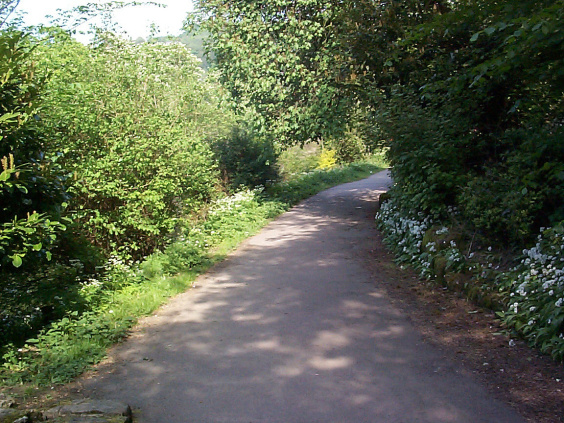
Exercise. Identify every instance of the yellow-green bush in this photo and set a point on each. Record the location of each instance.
(327, 159)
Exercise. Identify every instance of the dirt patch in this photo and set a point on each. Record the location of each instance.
(530, 382)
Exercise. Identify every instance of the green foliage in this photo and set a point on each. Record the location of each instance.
(195, 42)
(294, 161)
(244, 159)
(350, 148)
(130, 121)
(472, 110)
(522, 193)
(283, 59)
(31, 237)
(32, 192)
(426, 156)
(30, 299)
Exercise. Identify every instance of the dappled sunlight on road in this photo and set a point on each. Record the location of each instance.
(292, 328)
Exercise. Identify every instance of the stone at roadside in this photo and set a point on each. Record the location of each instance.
(94, 419)
(8, 415)
(91, 411)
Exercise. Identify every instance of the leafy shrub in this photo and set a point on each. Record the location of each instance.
(349, 148)
(463, 128)
(229, 217)
(327, 159)
(513, 199)
(426, 154)
(297, 160)
(246, 159)
(32, 298)
(130, 121)
(32, 191)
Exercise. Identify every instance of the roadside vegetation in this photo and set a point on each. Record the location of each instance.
(98, 308)
(478, 159)
(467, 96)
(126, 168)
(125, 172)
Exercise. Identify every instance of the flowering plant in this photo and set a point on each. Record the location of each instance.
(536, 293)
(531, 294)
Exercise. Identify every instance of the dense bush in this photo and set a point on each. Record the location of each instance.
(294, 161)
(465, 130)
(472, 112)
(33, 196)
(124, 135)
(426, 154)
(327, 159)
(130, 121)
(350, 147)
(32, 190)
(246, 159)
(79, 127)
(521, 193)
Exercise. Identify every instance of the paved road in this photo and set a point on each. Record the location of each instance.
(293, 328)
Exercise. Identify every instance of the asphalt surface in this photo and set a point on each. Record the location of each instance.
(293, 327)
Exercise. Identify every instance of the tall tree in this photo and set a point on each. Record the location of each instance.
(282, 58)
(302, 64)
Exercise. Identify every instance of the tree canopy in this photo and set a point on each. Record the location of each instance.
(468, 97)
(462, 92)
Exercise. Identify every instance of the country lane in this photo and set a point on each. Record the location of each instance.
(293, 327)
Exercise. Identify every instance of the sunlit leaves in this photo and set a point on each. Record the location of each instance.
(131, 121)
(31, 183)
(283, 59)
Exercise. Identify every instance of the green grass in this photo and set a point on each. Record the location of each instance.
(294, 190)
(70, 345)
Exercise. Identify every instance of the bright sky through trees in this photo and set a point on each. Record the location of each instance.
(136, 21)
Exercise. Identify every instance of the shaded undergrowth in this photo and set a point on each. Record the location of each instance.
(525, 288)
